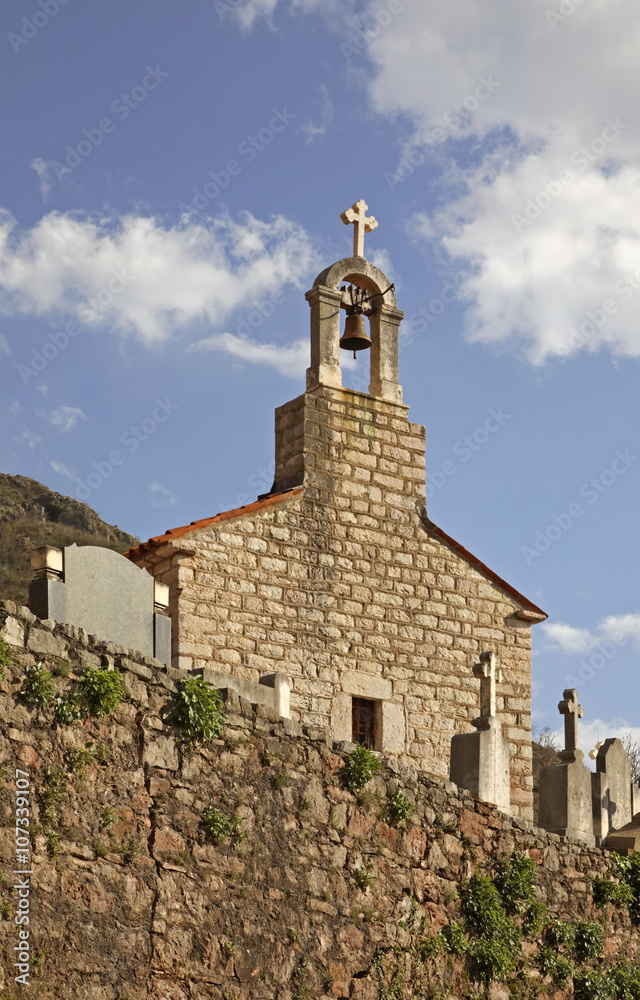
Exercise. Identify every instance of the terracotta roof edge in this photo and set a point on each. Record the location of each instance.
(225, 515)
(535, 614)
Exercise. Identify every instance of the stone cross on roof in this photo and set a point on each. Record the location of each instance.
(361, 224)
(572, 711)
(490, 674)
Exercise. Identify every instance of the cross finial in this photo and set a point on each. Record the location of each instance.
(572, 711)
(361, 224)
(490, 674)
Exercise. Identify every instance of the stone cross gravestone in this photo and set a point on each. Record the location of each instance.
(103, 593)
(565, 788)
(480, 760)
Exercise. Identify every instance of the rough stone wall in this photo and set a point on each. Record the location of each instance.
(345, 588)
(135, 903)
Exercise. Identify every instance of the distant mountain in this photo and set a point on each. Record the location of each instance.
(32, 515)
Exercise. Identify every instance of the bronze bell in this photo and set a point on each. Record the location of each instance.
(355, 336)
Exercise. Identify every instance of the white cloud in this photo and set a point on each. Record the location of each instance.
(250, 11)
(43, 170)
(592, 731)
(313, 130)
(534, 95)
(14, 408)
(29, 438)
(4, 345)
(550, 87)
(64, 417)
(575, 641)
(290, 360)
(62, 470)
(161, 496)
(134, 275)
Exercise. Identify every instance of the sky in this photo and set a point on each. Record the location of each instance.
(171, 182)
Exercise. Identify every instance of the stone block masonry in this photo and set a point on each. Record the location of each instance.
(342, 575)
(132, 899)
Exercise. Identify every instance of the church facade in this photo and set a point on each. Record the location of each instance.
(339, 580)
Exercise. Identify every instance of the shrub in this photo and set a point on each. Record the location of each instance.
(69, 708)
(52, 791)
(534, 918)
(588, 940)
(514, 881)
(81, 758)
(399, 809)
(100, 691)
(218, 826)
(363, 876)
(629, 872)
(5, 659)
(555, 965)
(592, 985)
(605, 891)
(559, 933)
(197, 711)
(361, 766)
(482, 905)
(38, 687)
(492, 958)
(494, 952)
(453, 939)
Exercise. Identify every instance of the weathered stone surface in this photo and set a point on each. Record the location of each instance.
(348, 589)
(161, 752)
(167, 913)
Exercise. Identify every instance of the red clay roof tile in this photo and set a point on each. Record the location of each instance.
(174, 533)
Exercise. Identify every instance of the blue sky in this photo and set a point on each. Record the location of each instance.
(172, 178)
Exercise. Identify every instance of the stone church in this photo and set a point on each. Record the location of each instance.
(337, 578)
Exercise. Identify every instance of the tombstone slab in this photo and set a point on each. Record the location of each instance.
(100, 591)
(565, 805)
(611, 790)
(480, 761)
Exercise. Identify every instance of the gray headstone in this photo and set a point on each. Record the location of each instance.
(565, 800)
(611, 789)
(105, 594)
(109, 596)
(480, 763)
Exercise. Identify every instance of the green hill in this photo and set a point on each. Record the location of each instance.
(32, 515)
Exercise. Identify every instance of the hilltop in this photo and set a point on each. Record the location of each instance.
(32, 515)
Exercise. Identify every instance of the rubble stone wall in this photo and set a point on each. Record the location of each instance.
(132, 901)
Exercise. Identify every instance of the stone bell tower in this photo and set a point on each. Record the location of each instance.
(353, 439)
(335, 584)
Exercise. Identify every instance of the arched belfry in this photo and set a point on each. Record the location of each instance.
(336, 438)
(329, 300)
